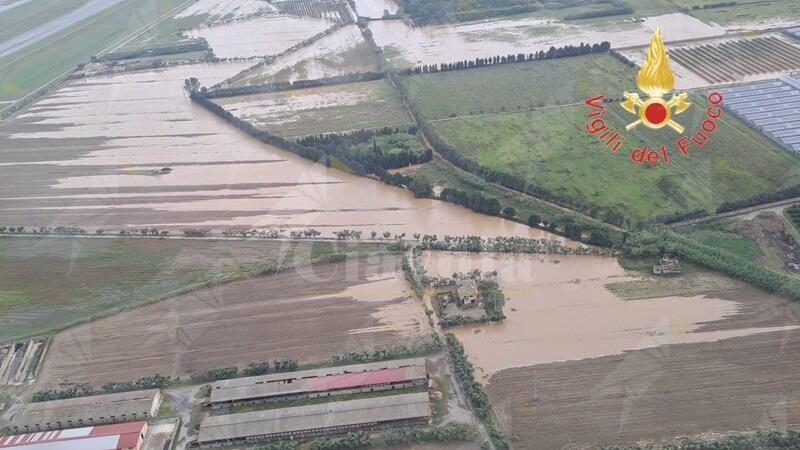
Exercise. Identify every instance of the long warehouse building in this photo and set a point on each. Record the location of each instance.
(371, 377)
(314, 420)
(85, 411)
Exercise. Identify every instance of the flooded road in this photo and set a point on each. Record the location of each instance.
(85, 156)
(411, 46)
(558, 309)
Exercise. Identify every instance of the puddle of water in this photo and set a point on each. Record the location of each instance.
(562, 311)
(262, 36)
(500, 37)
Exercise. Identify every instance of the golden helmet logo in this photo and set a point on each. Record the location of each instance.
(655, 79)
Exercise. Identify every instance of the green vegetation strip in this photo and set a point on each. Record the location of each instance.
(479, 399)
(53, 283)
(657, 239)
(762, 439)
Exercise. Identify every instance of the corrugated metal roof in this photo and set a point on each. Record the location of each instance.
(320, 384)
(325, 415)
(353, 368)
(83, 408)
(103, 437)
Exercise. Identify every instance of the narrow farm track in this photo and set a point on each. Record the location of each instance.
(739, 212)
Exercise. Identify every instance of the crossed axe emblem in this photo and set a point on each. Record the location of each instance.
(655, 112)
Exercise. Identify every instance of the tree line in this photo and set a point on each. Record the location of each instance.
(553, 53)
(420, 347)
(384, 148)
(285, 85)
(85, 390)
(252, 368)
(655, 240)
(487, 205)
(478, 398)
(764, 197)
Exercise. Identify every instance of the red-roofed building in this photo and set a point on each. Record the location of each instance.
(122, 436)
(342, 380)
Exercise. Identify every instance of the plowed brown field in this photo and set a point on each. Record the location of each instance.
(663, 392)
(303, 314)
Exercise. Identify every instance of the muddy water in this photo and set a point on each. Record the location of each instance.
(374, 9)
(83, 155)
(559, 310)
(489, 38)
(341, 52)
(262, 36)
(228, 9)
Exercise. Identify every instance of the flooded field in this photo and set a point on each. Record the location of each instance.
(547, 291)
(227, 9)
(84, 156)
(724, 63)
(263, 36)
(374, 9)
(308, 314)
(576, 365)
(341, 52)
(302, 112)
(411, 46)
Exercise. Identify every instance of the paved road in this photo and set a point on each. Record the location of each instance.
(52, 27)
(740, 212)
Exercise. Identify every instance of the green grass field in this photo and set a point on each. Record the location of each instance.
(549, 148)
(30, 68)
(514, 87)
(476, 111)
(51, 283)
(338, 108)
(744, 12)
(441, 174)
(30, 15)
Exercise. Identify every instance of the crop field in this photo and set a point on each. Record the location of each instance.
(645, 358)
(736, 60)
(172, 29)
(663, 392)
(302, 112)
(337, 11)
(308, 314)
(261, 36)
(54, 282)
(522, 86)
(604, 10)
(341, 52)
(539, 136)
(743, 12)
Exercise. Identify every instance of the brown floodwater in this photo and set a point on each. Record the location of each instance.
(92, 143)
(262, 36)
(500, 37)
(559, 310)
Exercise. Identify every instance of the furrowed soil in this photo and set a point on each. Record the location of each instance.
(51, 283)
(308, 314)
(591, 354)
